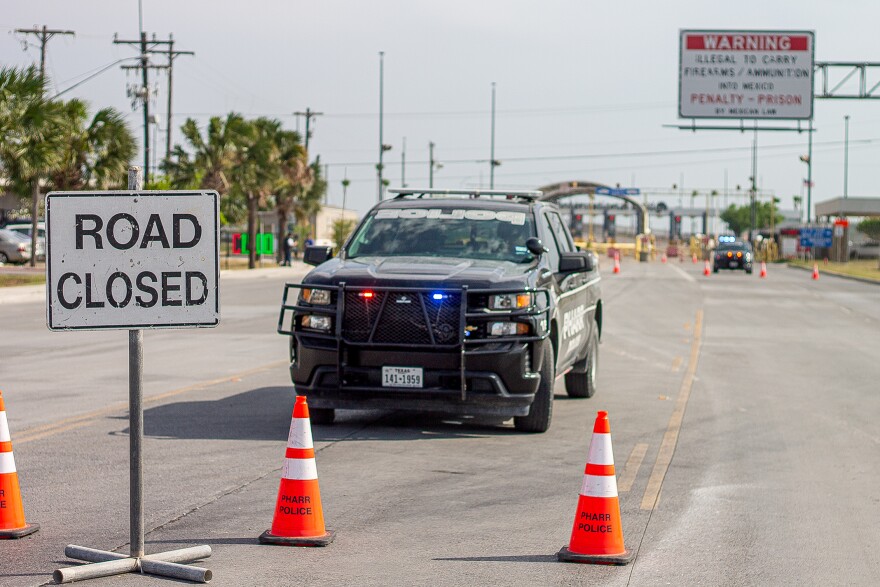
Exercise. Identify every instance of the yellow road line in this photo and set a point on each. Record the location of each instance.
(74, 422)
(631, 468)
(667, 446)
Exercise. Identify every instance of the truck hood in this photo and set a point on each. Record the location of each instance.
(422, 272)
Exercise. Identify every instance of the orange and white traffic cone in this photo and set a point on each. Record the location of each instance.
(616, 262)
(763, 269)
(706, 269)
(663, 258)
(597, 536)
(815, 271)
(299, 517)
(694, 258)
(12, 523)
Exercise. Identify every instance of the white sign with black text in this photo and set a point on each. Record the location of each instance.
(132, 260)
(746, 74)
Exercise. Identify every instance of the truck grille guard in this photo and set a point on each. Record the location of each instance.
(371, 324)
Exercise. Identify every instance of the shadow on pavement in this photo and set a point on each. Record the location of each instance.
(264, 414)
(525, 558)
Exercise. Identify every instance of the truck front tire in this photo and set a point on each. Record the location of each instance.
(541, 411)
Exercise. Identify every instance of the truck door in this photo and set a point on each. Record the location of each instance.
(571, 305)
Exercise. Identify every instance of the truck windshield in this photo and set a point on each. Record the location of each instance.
(444, 232)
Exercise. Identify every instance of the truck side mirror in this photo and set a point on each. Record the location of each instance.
(536, 247)
(576, 262)
(317, 254)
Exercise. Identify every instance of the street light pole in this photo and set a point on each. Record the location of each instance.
(381, 112)
(810, 174)
(492, 154)
(430, 164)
(846, 156)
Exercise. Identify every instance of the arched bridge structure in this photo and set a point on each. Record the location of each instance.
(565, 189)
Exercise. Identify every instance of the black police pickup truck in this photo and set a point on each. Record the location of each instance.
(462, 302)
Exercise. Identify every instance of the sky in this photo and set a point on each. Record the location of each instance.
(584, 89)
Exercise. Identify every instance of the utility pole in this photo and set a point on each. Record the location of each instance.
(171, 53)
(43, 34)
(309, 114)
(144, 66)
(846, 157)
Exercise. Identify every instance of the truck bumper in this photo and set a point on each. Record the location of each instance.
(500, 380)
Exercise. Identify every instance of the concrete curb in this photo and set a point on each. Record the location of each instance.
(835, 274)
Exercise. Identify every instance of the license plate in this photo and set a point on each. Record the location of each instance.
(401, 377)
(734, 264)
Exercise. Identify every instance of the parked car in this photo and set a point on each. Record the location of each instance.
(864, 250)
(14, 247)
(24, 228)
(461, 302)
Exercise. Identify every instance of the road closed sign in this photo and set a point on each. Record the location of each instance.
(132, 260)
(746, 74)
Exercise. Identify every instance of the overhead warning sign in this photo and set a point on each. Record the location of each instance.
(128, 260)
(746, 74)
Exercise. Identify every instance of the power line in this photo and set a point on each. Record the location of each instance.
(621, 155)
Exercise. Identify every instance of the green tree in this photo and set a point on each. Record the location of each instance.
(738, 218)
(297, 178)
(258, 172)
(342, 228)
(871, 228)
(31, 136)
(94, 153)
(208, 160)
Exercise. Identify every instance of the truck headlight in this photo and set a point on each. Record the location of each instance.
(317, 297)
(511, 301)
(507, 328)
(317, 322)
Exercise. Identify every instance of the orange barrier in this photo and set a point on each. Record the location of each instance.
(815, 271)
(597, 535)
(12, 522)
(299, 517)
(763, 269)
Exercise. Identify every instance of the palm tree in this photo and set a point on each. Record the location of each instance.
(295, 178)
(257, 173)
(31, 137)
(210, 160)
(96, 155)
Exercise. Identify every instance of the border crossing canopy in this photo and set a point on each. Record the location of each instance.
(746, 74)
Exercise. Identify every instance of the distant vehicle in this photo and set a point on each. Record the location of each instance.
(14, 247)
(864, 250)
(733, 255)
(24, 228)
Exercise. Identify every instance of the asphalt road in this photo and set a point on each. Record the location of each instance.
(743, 414)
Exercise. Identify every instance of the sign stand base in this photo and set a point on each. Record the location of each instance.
(106, 564)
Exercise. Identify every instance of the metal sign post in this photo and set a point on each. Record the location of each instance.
(105, 563)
